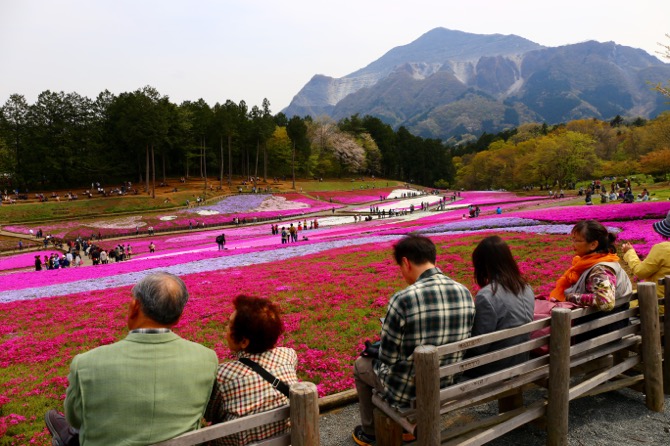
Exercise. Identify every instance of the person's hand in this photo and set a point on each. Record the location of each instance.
(626, 246)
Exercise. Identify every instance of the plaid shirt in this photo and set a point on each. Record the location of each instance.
(434, 310)
(239, 391)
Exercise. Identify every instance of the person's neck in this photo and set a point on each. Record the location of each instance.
(145, 322)
(418, 270)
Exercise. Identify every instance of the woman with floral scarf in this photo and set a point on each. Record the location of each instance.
(595, 278)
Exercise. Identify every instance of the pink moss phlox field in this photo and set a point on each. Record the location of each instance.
(357, 196)
(182, 219)
(606, 212)
(24, 260)
(331, 298)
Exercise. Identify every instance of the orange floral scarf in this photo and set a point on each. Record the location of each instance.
(579, 265)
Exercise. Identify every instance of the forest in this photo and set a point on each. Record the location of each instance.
(65, 140)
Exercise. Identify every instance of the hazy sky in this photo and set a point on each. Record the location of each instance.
(254, 49)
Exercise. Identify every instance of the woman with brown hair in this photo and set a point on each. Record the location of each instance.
(595, 278)
(504, 300)
(239, 390)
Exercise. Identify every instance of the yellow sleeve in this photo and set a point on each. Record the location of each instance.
(646, 269)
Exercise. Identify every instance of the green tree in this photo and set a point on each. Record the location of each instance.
(296, 130)
(14, 130)
(656, 163)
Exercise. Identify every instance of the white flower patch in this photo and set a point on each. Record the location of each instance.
(207, 212)
(169, 217)
(279, 204)
(397, 193)
(118, 223)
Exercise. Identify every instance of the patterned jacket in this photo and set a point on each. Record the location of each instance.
(434, 310)
(239, 391)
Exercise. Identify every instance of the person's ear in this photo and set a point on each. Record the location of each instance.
(133, 311)
(244, 343)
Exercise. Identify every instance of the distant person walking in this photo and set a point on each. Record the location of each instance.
(221, 241)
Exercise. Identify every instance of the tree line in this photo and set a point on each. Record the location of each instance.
(65, 140)
(561, 155)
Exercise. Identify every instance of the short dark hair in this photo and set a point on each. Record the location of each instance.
(592, 231)
(494, 264)
(162, 297)
(416, 248)
(258, 320)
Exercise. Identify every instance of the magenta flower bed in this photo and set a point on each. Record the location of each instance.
(605, 212)
(331, 288)
(331, 302)
(74, 229)
(357, 196)
(24, 260)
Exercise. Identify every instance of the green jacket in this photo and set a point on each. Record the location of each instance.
(141, 390)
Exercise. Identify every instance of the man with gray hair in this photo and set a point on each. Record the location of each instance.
(149, 387)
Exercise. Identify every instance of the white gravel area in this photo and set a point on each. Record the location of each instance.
(614, 418)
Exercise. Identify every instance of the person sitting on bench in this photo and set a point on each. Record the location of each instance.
(240, 388)
(146, 388)
(433, 309)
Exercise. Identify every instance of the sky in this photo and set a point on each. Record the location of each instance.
(255, 49)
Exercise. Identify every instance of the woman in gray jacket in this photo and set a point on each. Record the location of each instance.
(504, 300)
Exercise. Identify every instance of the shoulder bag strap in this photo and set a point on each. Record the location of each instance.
(269, 377)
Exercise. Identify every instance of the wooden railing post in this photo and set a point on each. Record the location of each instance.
(651, 346)
(559, 377)
(666, 336)
(427, 378)
(304, 400)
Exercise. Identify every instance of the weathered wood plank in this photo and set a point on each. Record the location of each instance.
(487, 358)
(497, 389)
(651, 346)
(526, 415)
(559, 377)
(399, 417)
(228, 428)
(304, 398)
(610, 386)
(602, 377)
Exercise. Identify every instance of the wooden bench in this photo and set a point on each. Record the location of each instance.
(665, 330)
(601, 363)
(302, 411)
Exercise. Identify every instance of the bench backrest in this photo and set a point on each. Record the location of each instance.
(535, 367)
(303, 412)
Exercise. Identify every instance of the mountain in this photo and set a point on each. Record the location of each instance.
(448, 83)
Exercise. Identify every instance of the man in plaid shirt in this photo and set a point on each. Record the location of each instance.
(433, 309)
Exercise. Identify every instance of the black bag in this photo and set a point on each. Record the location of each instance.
(371, 349)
